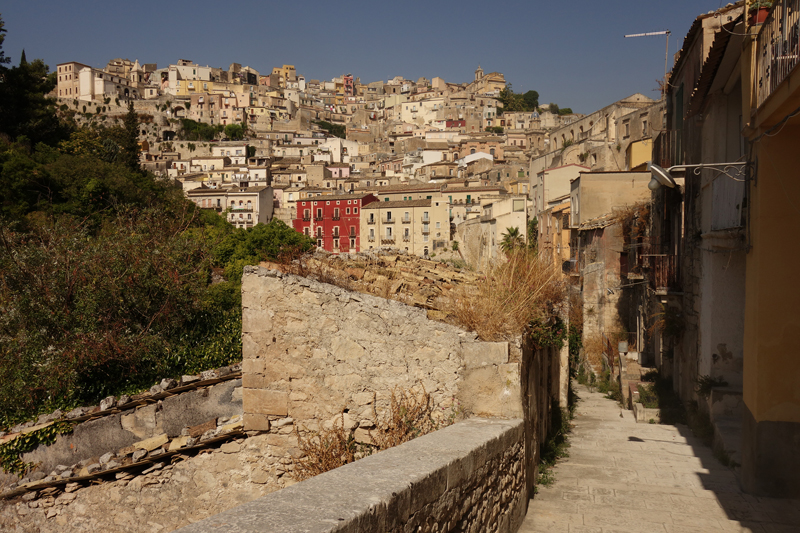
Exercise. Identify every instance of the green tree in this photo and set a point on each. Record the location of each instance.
(511, 240)
(533, 234)
(3, 58)
(338, 130)
(24, 107)
(130, 139)
(234, 132)
(531, 99)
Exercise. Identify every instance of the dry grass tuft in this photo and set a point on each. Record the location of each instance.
(411, 414)
(594, 347)
(515, 292)
(634, 219)
(325, 450)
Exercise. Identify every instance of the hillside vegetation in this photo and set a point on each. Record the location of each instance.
(105, 270)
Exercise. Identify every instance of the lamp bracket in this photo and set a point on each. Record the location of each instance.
(722, 168)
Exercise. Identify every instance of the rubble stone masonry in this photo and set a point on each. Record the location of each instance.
(314, 351)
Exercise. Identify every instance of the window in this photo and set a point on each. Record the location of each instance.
(355, 210)
(389, 232)
(347, 211)
(438, 225)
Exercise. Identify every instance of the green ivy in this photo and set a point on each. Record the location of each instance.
(11, 452)
(547, 334)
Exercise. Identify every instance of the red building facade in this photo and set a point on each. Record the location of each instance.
(333, 221)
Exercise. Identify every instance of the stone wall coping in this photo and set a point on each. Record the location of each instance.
(375, 492)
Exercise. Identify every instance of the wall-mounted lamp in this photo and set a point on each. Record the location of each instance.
(661, 176)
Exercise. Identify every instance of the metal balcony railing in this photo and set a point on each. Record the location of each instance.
(370, 221)
(405, 220)
(318, 219)
(386, 220)
(387, 240)
(778, 48)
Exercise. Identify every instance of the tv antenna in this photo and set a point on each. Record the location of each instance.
(666, 55)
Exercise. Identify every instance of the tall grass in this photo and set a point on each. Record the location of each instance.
(515, 292)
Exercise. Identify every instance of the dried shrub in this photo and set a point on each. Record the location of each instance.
(594, 347)
(668, 321)
(515, 293)
(325, 450)
(633, 219)
(411, 414)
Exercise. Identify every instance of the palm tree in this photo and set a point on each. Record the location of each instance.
(512, 239)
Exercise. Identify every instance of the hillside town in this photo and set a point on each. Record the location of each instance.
(432, 167)
(336, 257)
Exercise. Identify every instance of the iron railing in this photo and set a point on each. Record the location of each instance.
(778, 47)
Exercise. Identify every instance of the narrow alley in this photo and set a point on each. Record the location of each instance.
(621, 476)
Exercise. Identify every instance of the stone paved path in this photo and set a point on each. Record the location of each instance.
(627, 477)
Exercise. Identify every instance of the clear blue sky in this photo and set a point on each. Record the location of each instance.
(573, 53)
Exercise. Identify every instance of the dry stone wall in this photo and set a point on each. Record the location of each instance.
(313, 351)
(469, 477)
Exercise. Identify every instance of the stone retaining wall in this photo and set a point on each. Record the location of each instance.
(466, 477)
(166, 417)
(312, 351)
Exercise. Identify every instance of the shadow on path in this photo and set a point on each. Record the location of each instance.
(627, 477)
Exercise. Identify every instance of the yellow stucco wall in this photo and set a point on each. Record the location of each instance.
(772, 306)
(639, 153)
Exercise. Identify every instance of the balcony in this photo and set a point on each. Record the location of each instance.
(664, 276)
(405, 220)
(426, 231)
(388, 220)
(318, 219)
(371, 238)
(337, 217)
(306, 219)
(426, 220)
(242, 209)
(371, 221)
(387, 240)
(778, 48)
(406, 238)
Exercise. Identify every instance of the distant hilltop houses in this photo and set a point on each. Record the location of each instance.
(453, 165)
